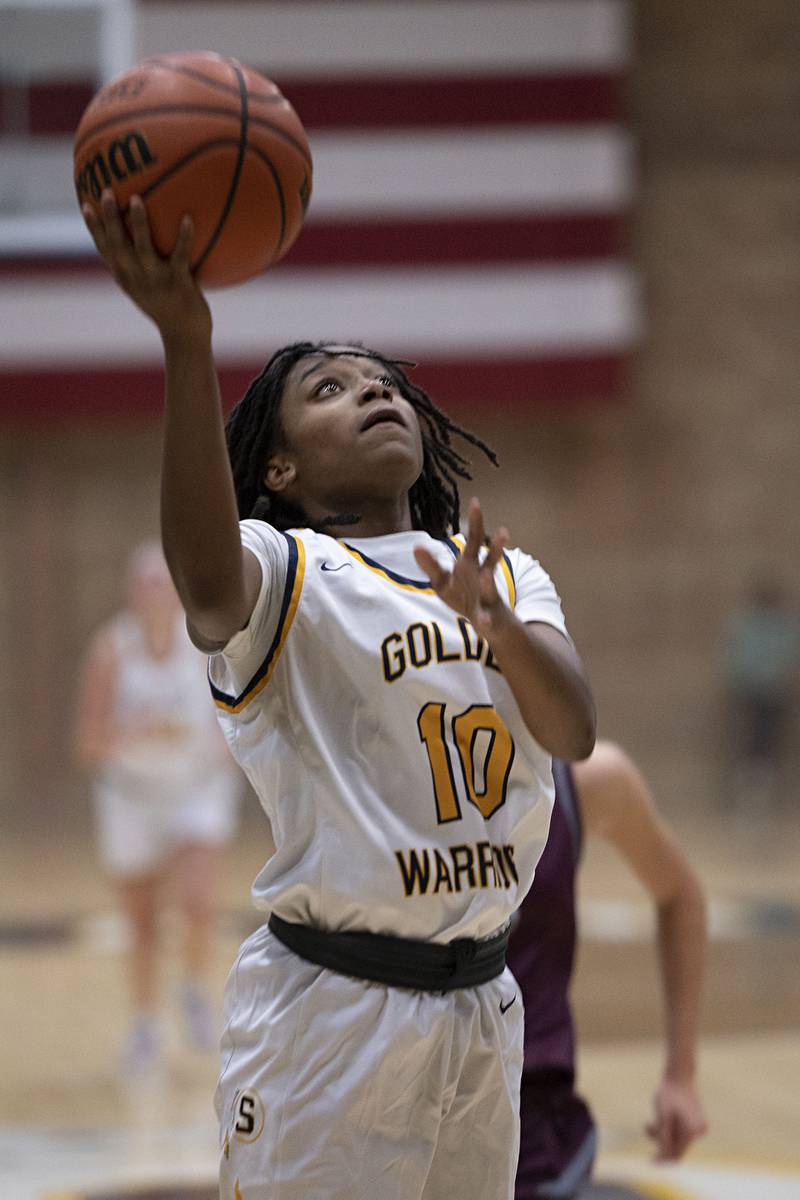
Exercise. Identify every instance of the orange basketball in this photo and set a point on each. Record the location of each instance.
(200, 134)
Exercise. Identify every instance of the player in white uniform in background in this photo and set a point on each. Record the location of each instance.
(165, 791)
(394, 696)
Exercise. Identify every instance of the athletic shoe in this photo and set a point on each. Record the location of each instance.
(198, 1019)
(141, 1056)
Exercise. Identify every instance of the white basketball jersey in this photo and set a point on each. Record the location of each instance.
(405, 793)
(167, 697)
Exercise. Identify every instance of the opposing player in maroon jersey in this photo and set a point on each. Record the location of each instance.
(604, 796)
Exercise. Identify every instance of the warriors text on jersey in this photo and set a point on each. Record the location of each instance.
(405, 793)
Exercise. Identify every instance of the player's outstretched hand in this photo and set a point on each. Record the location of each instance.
(470, 587)
(163, 288)
(678, 1120)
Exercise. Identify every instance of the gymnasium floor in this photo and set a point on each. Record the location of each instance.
(68, 1131)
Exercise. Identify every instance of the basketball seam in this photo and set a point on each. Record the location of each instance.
(214, 144)
(281, 199)
(206, 110)
(237, 170)
(157, 110)
(227, 88)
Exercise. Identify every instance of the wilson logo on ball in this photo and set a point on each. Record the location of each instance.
(123, 157)
(115, 93)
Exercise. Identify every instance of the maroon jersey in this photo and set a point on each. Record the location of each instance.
(557, 1132)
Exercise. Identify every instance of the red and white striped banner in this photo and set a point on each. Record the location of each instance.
(471, 188)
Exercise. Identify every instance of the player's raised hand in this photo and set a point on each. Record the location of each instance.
(163, 288)
(677, 1121)
(470, 588)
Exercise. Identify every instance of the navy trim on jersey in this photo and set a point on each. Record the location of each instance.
(422, 585)
(507, 561)
(567, 798)
(234, 701)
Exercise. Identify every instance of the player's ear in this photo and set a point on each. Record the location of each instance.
(280, 472)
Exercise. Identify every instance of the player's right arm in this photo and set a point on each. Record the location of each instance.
(617, 805)
(217, 579)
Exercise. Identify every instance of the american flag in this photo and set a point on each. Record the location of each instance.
(472, 185)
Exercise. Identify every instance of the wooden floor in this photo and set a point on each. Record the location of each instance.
(63, 1015)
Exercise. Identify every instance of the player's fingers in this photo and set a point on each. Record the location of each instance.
(476, 534)
(655, 1130)
(681, 1140)
(95, 227)
(119, 246)
(180, 255)
(437, 574)
(496, 547)
(140, 230)
(693, 1126)
(668, 1138)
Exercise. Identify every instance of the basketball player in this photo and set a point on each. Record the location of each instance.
(165, 791)
(394, 695)
(605, 796)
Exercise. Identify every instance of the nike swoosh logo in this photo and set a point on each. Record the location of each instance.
(505, 1007)
(325, 567)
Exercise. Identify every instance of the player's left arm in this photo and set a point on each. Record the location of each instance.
(617, 805)
(540, 665)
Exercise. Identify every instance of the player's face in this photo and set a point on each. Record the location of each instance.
(350, 436)
(151, 592)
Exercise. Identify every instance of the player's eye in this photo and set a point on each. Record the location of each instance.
(326, 387)
(386, 379)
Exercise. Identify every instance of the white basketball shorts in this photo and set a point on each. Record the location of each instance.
(137, 830)
(333, 1088)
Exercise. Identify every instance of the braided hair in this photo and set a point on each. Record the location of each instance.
(254, 430)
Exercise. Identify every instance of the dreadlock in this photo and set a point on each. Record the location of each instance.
(254, 431)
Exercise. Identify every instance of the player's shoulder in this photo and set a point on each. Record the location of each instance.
(289, 560)
(522, 560)
(255, 532)
(526, 574)
(604, 783)
(278, 552)
(607, 762)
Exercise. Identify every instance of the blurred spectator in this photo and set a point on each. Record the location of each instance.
(165, 792)
(760, 663)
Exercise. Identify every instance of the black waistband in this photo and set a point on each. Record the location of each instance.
(398, 962)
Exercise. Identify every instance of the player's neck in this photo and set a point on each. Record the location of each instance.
(376, 518)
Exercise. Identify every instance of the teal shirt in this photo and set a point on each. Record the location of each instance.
(762, 651)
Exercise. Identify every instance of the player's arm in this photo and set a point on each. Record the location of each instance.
(94, 735)
(548, 682)
(617, 805)
(217, 580)
(540, 665)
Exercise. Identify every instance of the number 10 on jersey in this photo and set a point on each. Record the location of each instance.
(496, 751)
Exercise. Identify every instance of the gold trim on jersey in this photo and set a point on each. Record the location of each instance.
(504, 565)
(291, 599)
(408, 585)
